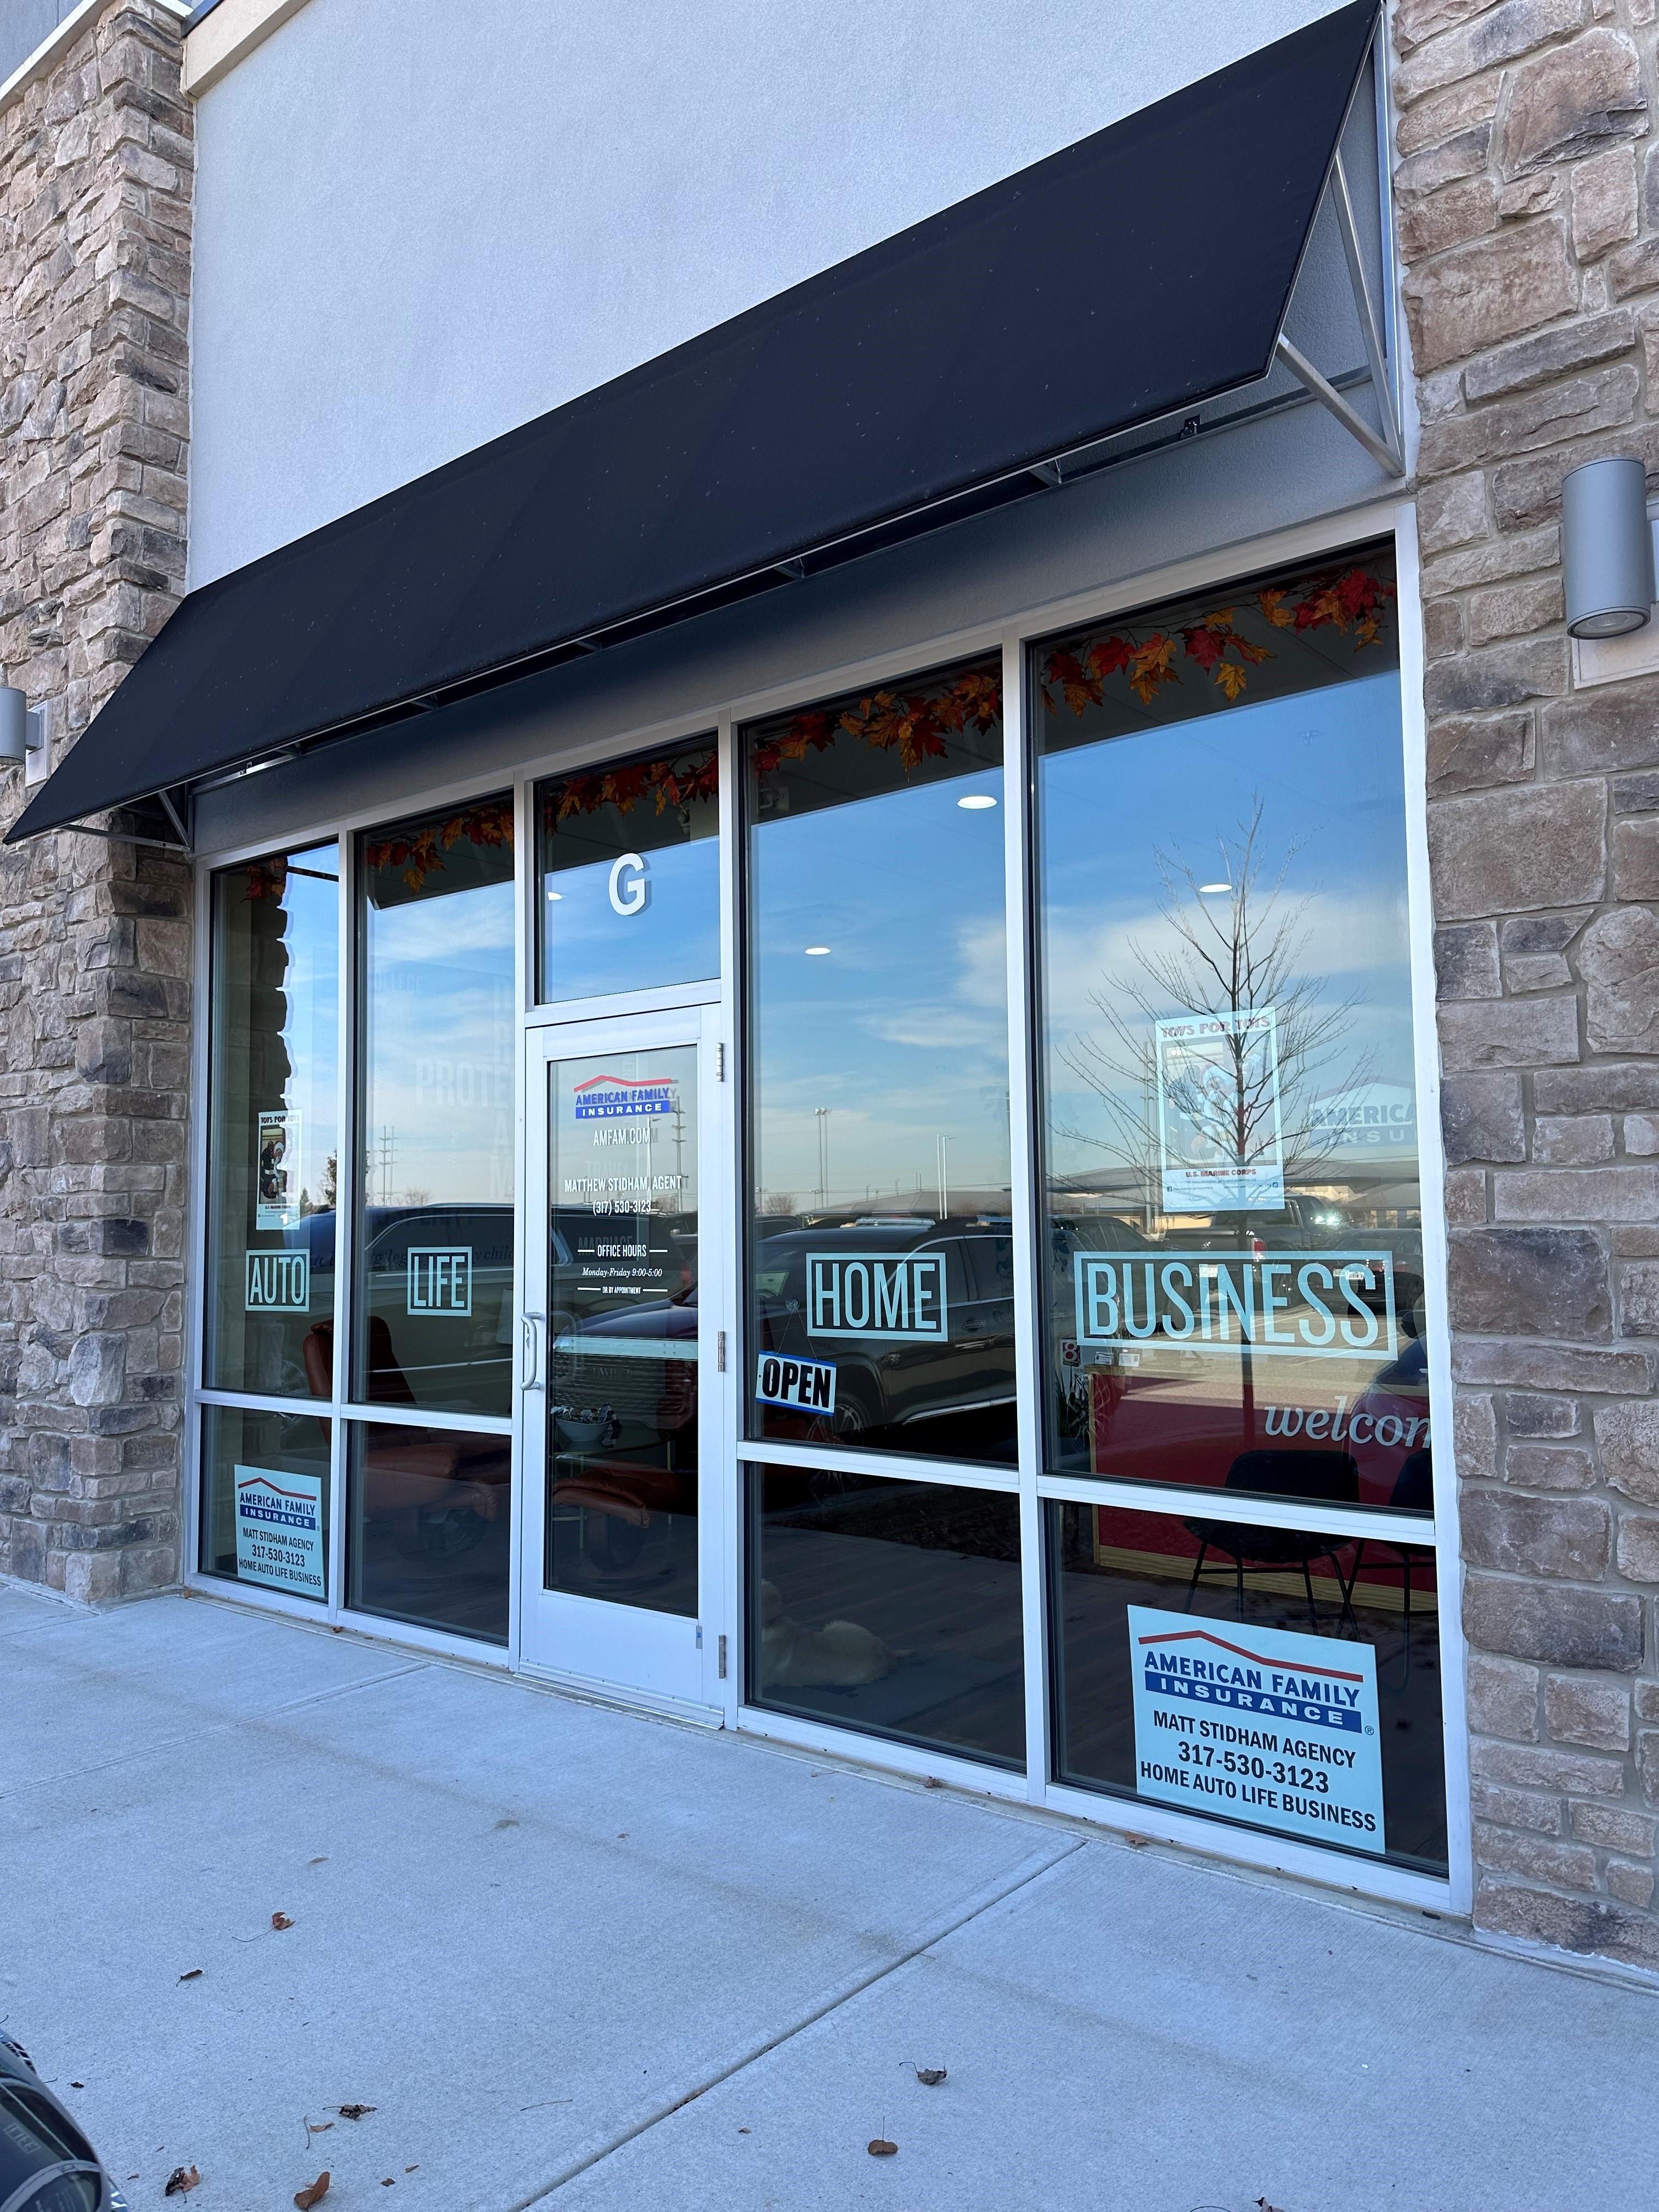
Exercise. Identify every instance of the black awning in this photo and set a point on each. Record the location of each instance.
(1139, 273)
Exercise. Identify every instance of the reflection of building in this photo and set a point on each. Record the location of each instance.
(474, 750)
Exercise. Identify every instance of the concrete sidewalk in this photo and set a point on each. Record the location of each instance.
(561, 1948)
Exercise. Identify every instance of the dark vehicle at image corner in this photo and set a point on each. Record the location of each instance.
(46, 2164)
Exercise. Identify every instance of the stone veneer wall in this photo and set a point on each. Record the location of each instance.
(95, 178)
(1529, 199)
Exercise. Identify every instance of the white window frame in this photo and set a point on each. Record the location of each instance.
(1010, 636)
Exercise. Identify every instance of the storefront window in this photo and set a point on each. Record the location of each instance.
(629, 867)
(890, 1606)
(880, 1247)
(1285, 1679)
(272, 1101)
(264, 1499)
(434, 1325)
(430, 1527)
(1233, 1226)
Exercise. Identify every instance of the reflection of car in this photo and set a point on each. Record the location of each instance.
(628, 1378)
(904, 1376)
(46, 2164)
(450, 1325)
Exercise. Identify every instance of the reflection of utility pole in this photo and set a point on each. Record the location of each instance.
(679, 1140)
(385, 1160)
(941, 1146)
(822, 1113)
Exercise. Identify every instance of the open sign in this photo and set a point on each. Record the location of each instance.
(809, 1384)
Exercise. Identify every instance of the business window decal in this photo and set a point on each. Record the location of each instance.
(1267, 1725)
(440, 1278)
(278, 1282)
(891, 1296)
(1318, 1305)
(279, 1530)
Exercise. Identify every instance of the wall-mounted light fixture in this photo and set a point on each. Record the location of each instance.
(1607, 548)
(22, 727)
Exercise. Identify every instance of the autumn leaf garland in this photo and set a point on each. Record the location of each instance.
(676, 780)
(420, 853)
(914, 722)
(1351, 598)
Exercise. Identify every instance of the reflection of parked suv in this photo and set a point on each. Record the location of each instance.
(898, 1378)
(448, 1355)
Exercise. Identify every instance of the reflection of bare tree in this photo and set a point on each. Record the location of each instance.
(1236, 945)
(778, 1201)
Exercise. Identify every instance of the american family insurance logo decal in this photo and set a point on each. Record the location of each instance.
(1263, 1724)
(617, 1097)
(1319, 1305)
(279, 1530)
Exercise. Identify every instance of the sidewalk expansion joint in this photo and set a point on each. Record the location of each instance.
(985, 1901)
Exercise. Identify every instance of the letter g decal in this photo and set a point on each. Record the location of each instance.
(632, 895)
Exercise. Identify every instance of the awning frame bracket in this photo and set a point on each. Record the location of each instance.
(1386, 449)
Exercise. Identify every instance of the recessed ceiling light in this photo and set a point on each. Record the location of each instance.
(556, 895)
(813, 951)
(976, 801)
(1208, 891)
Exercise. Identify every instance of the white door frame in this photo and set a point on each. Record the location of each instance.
(658, 1659)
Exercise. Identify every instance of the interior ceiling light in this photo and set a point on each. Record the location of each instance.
(556, 895)
(976, 801)
(813, 951)
(1208, 891)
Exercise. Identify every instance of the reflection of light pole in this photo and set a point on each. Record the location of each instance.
(823, 1115)
(941, 1145)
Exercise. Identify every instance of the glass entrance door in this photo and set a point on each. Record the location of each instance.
(620, 1552)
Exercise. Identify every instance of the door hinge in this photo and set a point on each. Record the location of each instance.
(722, 1658)
(720, 1351)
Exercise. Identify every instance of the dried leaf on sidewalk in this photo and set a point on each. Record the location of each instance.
(181, 2181)
(355, 2111)
(305, 2198)
(281, 1920)
(194, 1975)
(930, 2076)
(880, 2148)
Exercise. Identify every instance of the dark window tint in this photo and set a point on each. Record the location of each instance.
(889, 1607)
(1234, 1285)
(265, 1499)
(878, 1240)
(274, 1154)
(1287, 1679)
(430, 1527)
(630, 875)
(434, 1259)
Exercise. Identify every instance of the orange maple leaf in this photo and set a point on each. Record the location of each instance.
(1150, 668)
(1272, 604)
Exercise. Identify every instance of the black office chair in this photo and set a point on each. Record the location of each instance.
(1330, 1477)
(1412, 1492)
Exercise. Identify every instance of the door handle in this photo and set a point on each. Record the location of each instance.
(530, 1326)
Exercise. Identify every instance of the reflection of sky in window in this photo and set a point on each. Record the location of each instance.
(589, 948)
(440, 1049)
(310, 1002)
(900, 1028)
(1327, 766)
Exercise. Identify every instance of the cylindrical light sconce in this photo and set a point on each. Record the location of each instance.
(15, 731)
(1607, 548)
